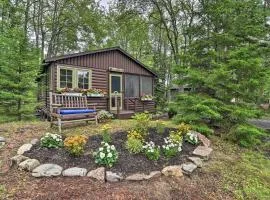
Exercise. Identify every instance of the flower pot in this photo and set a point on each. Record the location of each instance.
(73, 93)
(95, 95)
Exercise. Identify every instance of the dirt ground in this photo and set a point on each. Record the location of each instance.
(15, 184)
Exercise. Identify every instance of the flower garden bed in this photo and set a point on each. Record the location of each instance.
(127, 163)
(138, 154)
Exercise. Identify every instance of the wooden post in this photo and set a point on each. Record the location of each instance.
(135, 104)
(118, 105)
(127, 103)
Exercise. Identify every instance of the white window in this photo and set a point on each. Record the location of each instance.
(73, 77)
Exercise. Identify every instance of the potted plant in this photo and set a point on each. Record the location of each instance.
(147, 97)
(94, 92)
(70, 91)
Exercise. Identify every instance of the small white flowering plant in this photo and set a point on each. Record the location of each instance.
(171, 148)
(106, 155)
(151, 151)
(192, 138)
(51, 140)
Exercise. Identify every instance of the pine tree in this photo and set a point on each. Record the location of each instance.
(226, 69)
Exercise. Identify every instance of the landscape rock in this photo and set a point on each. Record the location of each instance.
(174, 170)
(74, 171)
(203, 151)
(205, 141)
(24, 148)
(98, 174)
(189, 167)
(136, 177)
(29, 164)
(34, 141)
(18, 159)
(197, 161)
(113, 177)
(2, 139)
(153, 174)
(47, 170)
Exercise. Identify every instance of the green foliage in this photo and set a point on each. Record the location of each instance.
(106, 136)
(203, 129)
(176, 136)
(160, 126)
(172, 110)
(171, 147)
(104, 115)
(135, 134)
(134, 145)
(75, 144)
(142, 122)
(246, 135)
(192, 138)
(51, 140)
(106, 155)
(151, 151)
(19, 66)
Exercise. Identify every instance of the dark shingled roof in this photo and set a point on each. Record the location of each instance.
(52, 59)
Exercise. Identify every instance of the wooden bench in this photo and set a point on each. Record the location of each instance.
(60, 103)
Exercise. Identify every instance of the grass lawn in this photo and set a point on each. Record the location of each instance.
(231, 173)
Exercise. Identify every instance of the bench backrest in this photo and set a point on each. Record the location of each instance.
(67, 101)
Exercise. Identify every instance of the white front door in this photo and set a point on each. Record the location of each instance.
(116, 91)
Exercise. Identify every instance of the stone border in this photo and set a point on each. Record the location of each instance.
(200, 154)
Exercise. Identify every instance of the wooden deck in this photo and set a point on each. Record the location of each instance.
(123, 114)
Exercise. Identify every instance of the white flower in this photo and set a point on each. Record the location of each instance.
(109, 155)
(100, 149)
(108, 150)
(112, 147)
(102, 155)
(179, 148)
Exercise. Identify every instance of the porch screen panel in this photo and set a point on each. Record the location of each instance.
(132, 85)
(146, 85)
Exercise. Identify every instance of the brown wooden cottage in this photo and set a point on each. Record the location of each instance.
(111, 78)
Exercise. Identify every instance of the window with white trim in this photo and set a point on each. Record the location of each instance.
(66, 78)
(73, 77)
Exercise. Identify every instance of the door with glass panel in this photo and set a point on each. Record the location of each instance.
(116, 91)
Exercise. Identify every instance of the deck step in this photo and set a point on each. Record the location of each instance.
(124, 114)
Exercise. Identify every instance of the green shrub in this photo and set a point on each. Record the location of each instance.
(75, 144)
(151, 151)
(192, 138)
(134, 145)
(184, 128)
(106, 155)
(51, 140)
(142, 122)
(172, 110)
(104, 116)
(160, 126)
(135, 134)
(106, 134)
(203, 129)
(246, 135)
(176, 136)
(171, 148)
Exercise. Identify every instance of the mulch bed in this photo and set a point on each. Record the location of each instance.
(127, 163)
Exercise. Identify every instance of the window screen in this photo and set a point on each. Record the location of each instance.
(131, 86)
(146, 85)
(65, 78)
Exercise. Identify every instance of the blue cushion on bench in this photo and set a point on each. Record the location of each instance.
(76, 111)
